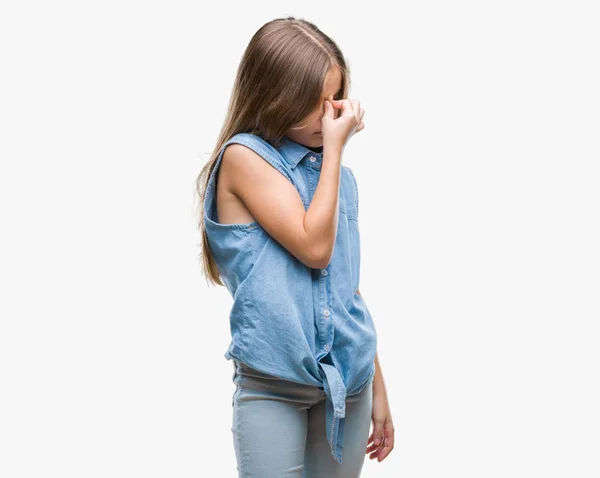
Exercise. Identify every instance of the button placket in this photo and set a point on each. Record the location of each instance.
(323, 325)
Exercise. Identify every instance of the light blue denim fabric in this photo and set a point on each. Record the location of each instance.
(288, 320)
(278, 428)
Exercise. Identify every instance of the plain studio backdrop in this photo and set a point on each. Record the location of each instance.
(478, 172)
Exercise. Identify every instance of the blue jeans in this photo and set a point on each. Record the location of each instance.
(279, 428)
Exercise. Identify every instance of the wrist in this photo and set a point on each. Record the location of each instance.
(333, 150)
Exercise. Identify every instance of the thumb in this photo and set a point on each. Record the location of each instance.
(328, 109)
(377, 433)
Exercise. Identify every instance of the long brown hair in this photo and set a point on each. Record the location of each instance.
(285, 64)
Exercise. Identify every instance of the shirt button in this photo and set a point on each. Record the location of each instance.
(326, 347)
(326, 312)
(312, 159)
(324, 272)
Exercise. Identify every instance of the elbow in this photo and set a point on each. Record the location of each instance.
(319, 257)
(322, 263)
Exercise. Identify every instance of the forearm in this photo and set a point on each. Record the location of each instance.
(378, 382)
(321, 218)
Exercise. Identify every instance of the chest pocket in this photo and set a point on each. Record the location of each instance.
(348, 195)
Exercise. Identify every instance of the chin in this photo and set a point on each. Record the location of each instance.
(311, 141)
(316, 140)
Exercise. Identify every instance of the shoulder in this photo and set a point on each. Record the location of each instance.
(239, 161)
(236, 152)
(255, 143)
(245, 147)
(247, 152)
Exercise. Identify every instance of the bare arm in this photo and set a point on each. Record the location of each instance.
(277, 206)
(378, 382)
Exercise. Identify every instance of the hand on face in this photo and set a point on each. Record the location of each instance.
(338, 129)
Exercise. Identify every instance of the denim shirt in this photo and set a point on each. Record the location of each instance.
(289, 320)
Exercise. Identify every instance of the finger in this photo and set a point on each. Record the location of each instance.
(345, 105)
(371, 448)
(384, 452)
(378, 433)
(370, 443)
(389, 439)
(387, 444)
(376, 453)
(328, 109)
(356, 107)
(337, 103)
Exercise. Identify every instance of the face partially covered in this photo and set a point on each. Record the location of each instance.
(308, 132)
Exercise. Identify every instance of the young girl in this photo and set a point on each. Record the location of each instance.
(280, 230)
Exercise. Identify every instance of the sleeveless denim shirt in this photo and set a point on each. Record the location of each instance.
(288, 320)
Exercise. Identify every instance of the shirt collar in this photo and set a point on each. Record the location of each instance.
(294, 152)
